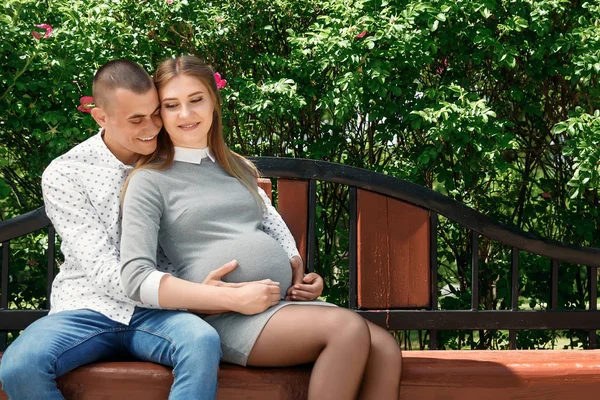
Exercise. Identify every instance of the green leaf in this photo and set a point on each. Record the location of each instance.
(433, 26)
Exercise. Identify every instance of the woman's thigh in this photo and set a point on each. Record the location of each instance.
(297, 334)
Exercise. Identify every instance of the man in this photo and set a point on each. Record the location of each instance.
(91, 318)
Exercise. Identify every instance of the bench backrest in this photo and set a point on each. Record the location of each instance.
(392, 252)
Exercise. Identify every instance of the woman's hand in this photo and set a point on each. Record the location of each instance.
(304, 287)
(256, 297)
(215, 277)
(249, 297)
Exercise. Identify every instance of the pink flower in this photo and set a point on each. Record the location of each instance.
(360, 35)
(220, 82)
(442, 66)
(86, 103)
(169, 1)
(38, 35)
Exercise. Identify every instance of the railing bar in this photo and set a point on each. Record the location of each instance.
(512, 338)
(432, 339)
(474, 270)
(433, 262)
(433, 269)
(554, 283)
(593, 288)
(514, 287)
(312, 220)
(352, 249)
(593, 283)
(50, 266)
(4, 294)
(483, 319)
(514, 292)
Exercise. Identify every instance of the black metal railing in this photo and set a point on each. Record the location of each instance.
(431, 319)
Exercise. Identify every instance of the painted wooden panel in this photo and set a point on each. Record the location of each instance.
(292, 204)
(393, 253)
(266, 185)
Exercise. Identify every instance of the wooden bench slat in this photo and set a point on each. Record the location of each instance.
(426, 375)
(393, 253)
(498, 375)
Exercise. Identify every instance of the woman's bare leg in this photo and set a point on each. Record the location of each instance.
(336, 339)
(382, 374)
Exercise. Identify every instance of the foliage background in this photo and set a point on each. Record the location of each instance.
(494, 103)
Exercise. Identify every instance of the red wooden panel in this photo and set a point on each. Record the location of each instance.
(292, 204)
(393, 253)
(265, 184)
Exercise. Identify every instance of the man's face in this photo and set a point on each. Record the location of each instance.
(131, 122)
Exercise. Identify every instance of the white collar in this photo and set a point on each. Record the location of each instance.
(192, 156)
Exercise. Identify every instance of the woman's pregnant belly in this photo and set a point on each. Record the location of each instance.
(259, 256)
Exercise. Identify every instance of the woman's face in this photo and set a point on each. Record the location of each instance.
(186, 109)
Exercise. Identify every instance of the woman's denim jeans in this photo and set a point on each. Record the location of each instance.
(61, 342)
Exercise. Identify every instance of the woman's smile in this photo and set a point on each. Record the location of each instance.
(187, 111)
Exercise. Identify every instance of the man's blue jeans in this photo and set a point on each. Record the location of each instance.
(61, 342)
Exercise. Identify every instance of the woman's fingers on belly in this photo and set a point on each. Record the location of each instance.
(268, 282)
(275, 290)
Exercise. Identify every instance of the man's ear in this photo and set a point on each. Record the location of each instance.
(99, 116)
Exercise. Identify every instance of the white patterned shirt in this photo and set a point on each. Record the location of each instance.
(82, 196)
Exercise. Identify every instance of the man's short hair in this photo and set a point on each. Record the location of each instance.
(119, 74)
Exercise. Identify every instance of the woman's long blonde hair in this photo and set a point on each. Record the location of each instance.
(235, 165)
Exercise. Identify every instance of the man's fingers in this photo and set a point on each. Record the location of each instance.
(310, 278)
(302, 295)
(303, 287)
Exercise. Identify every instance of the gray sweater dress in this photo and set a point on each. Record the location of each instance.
(202, 218)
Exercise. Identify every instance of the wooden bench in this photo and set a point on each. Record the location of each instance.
(393, 282)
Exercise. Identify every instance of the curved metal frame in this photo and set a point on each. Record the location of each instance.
(426, 198)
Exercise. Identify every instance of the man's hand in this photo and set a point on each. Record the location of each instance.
(304, 287)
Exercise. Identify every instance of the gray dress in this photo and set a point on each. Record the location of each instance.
(202, 218)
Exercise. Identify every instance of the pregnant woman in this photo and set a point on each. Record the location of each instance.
(199, 201)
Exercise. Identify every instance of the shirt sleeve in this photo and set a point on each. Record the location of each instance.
(274, 226)
(142, 211)
(149, 288)
(84, 237)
